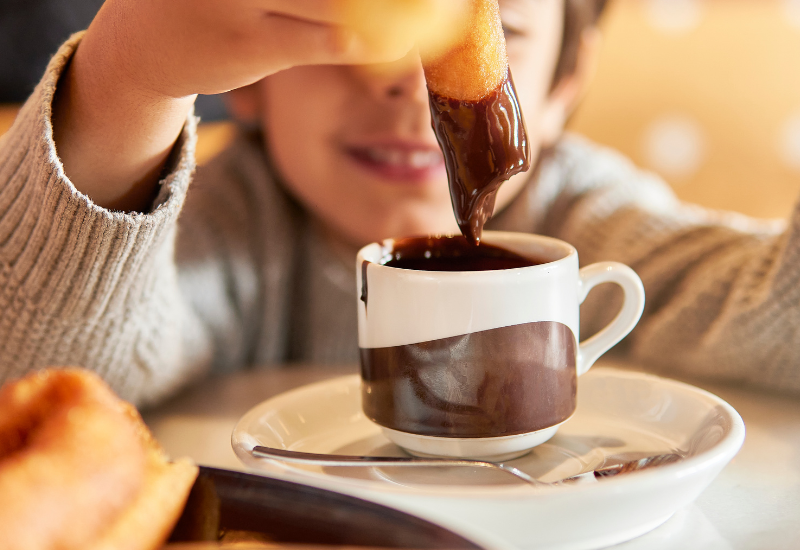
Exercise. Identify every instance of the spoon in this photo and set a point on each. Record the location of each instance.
(298, 457)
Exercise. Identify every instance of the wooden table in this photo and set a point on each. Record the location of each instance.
(753, 504)
(7, 115)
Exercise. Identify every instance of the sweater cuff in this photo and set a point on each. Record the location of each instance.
(62, 256)
(38, 202)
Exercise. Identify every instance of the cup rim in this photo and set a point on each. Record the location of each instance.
(376, 251)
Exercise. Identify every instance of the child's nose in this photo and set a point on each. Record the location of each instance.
(402, 79)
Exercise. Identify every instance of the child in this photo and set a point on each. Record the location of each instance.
(109, 263)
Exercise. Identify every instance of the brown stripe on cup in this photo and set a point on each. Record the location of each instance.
(498, 382)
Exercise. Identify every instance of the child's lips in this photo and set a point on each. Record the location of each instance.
(399, 162)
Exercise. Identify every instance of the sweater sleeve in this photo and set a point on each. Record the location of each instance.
(722, 290)
(82, 285)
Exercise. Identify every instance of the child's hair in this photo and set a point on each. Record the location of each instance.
(578, 16)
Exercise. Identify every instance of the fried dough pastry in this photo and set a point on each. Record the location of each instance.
(476, 116)
(477, 63)
(79, 469)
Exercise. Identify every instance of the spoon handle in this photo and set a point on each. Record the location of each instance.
(299, 457)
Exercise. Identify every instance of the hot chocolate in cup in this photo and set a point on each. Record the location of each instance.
(474, 352)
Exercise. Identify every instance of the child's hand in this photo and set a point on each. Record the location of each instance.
(122, 103)
(177, 48)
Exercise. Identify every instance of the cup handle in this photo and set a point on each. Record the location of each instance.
(610, 272)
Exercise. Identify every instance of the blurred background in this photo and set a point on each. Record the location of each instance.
(707, 94)
(704, 92)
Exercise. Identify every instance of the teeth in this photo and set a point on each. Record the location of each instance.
(423, 159)
(396, 157)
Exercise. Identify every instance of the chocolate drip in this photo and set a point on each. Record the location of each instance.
(497, 382)
(364, 291)
(484, 143)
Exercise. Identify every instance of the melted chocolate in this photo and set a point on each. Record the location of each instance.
(497, 382)
(364, 291)
(451, 254)
(484, 143)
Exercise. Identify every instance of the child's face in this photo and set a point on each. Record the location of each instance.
(355, 145)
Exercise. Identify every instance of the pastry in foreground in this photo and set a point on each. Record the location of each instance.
(79, 468)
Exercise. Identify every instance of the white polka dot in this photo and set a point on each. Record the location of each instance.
(790, 142)
(675, 15)
(792, 8)
(675, 146)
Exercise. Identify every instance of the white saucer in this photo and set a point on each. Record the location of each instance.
(620, 415)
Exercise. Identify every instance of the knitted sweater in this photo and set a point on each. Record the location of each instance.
(236, 273)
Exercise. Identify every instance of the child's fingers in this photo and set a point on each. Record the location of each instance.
(308, 43)
(384, 26)
(319, 11)
(355, 12)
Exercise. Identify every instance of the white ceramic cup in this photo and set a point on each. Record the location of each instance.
(481, 364)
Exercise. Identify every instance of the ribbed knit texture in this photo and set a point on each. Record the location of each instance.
(82, 285)
(236, 273)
